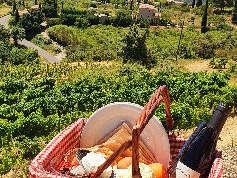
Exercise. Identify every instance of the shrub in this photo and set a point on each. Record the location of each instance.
(144, 23)
(49, 8)
(123, 18)
(4, 51)
(93, 19)
(74, 11)
(92, 4)
(81, 22)
(224, 26)
(17, 33)
(205, 46)
(135, 48)
(4, 33)
(21, 56)
(16, 56)
(69, 19)
(54, 21)
(41, 41)
(31, 22)
(96, 42)
(218, 63)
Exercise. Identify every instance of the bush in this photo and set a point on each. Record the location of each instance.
(74, 11)
(96, 42)
(54, 21)
(81, 22)
(49, 8)
(234, 15)
(4, 33)
(135, 48)
(31, 22)
(17, 33)
(92, 4)
(41, 41)
(218, 63)
(69, 19)
(224, 26)
(23, 56)
(4, 51)
(144, 23)
(93, 19)
(123, 18)
(15, 55)
(205, 46)
(34, 109)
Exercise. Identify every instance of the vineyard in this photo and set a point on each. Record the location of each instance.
(37, 104)
(121, 59)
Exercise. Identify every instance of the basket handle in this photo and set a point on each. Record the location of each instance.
(160, 94)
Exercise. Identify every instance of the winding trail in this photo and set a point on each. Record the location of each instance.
(41, 52)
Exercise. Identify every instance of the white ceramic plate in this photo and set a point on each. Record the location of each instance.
(109, 117)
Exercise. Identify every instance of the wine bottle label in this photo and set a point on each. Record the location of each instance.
(183, 171)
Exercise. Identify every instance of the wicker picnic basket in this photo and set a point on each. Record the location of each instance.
(69, 138)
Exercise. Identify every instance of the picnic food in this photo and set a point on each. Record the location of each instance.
(146, 172)
(158, 170)
(123, 139)
(84, 161)
(124, 163)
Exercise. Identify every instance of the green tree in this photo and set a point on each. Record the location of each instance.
(204, 19)
(17, 33)
(234, 13)
(193, 3)
(131, 4)
(222, 62)
(220, 4)
(81, 22)
(4, 33)
(5, 49)
(49, 8)
(123, 18)
(199, 3)
(13, 7)
(135, 48)
(23, 56)
(62, 6)
(16, 16)
(31, 22)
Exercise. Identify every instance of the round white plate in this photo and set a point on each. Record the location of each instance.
(109, 117)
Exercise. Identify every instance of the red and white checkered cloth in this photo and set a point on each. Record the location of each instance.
(69, 138)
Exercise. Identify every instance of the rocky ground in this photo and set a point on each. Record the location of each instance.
(229, 156)
(228, 145)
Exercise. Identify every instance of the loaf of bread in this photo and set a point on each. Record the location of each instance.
(116, 138)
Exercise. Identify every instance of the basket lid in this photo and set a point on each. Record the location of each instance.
(109, 117)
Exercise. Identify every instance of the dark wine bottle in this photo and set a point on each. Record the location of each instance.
(197, 154)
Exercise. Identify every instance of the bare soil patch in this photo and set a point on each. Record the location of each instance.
(198, 66)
